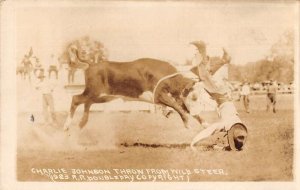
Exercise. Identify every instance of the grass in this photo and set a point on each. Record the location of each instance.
(268, 155)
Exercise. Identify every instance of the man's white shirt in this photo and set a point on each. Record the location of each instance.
(45, 87)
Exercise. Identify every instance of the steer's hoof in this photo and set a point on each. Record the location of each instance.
(81, 125)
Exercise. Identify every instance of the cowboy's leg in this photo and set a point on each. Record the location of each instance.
(207, 80)
(206, 132)
(210, 85)
(214, 92)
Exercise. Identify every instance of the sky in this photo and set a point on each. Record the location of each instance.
(131, 30)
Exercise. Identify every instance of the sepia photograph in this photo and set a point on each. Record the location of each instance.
(102, 93)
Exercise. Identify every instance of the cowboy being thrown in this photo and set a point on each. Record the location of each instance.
(214, 79)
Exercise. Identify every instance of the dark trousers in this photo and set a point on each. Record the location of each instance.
(271, 101)
(246, 102)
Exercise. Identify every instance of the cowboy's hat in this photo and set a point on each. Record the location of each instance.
(237, 136)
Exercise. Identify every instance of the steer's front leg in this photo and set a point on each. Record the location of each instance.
(85, 116)
(76, 101)
(187, 119)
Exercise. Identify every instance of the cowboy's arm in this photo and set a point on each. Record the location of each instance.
(206, 132)
(206, 78)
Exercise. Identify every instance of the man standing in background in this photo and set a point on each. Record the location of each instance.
(46, 89)
(271, 96)
(245, 93)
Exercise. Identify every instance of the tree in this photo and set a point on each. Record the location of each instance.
(283, 49)
(278, 65)
(85, 50)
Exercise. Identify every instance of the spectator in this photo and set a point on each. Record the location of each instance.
(271, 96)
(46, 89)
(38, 67)
(245, 93)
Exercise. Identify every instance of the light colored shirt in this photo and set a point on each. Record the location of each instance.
(220, 78)
(245, 90)
(272, 89)
(229, 115)
(45, 87)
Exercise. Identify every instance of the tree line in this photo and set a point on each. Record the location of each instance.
(278, 65)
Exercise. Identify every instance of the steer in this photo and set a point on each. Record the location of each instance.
(133, 81)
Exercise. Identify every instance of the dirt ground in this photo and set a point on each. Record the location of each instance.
(267, 156)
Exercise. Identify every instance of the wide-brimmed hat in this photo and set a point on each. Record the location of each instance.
(237, 136)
